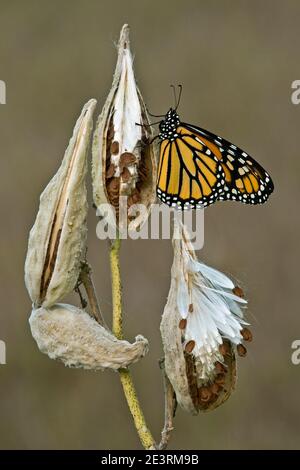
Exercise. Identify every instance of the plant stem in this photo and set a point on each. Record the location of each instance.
(86, 278)
(136, 411)
(117, 327)
(170, 409)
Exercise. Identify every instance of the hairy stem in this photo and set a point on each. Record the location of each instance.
(117, 323)
(117, 327)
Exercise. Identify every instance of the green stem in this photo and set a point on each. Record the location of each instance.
(117, 327)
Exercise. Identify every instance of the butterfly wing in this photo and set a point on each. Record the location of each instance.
(190, 175)
(245, 180)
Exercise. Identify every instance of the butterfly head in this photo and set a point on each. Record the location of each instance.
(169, 125)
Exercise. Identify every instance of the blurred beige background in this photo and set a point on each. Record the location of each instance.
(236, 61)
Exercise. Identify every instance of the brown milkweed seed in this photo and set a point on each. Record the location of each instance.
(238, 291)
(125, 174)
(220, 379)
(114, 147)
(126, 159)
(204, 394)
(246, 334)
(190, 346)
(224, 349)
(136, 197)
(111, 171)
(220, 367)
(182, 324)
(241, 350)
(215, 389)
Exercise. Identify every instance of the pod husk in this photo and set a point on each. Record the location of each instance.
(57, 239)
(68, 334)
(181, 368)
(134, 174)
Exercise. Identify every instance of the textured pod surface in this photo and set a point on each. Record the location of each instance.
(58, 237)
(124, 161)
(182, 370)
(69, 334)
(175, 364)
(202, 324)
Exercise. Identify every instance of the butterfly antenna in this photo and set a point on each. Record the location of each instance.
(147, 125)
(154, 115)
(179, 97)
(174, 95)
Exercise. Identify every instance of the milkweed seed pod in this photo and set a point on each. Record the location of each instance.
(201, 326)
(57, 239)
(67, 333)
(124, 159)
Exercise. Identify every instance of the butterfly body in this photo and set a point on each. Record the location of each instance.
(197, 168)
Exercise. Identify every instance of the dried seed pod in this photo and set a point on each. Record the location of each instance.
(69, 334)
(184, 373)
(58, 237)
(175, 361)
(122, 138)
(201, 370)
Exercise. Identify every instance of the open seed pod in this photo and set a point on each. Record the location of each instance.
(193, 393)
(124, 162)
(202, 323)
(69, 334)
(57, 239)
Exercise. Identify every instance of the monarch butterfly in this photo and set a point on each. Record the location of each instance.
(197, 168)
